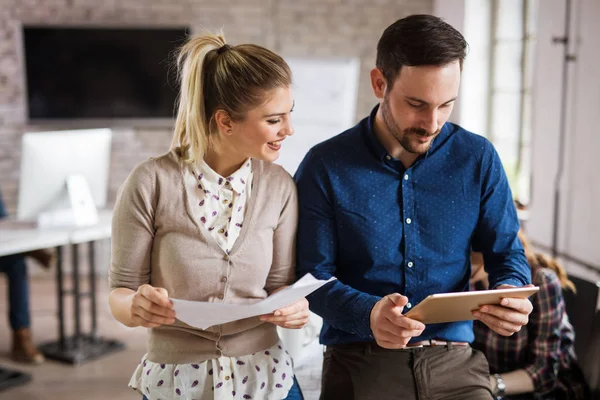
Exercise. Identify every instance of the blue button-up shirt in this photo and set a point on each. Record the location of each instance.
(381, 228)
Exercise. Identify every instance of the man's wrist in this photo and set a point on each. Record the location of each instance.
(499, 387)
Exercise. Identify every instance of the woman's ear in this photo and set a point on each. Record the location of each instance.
(224, 122)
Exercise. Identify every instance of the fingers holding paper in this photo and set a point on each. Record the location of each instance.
(508, 317)
(294, 316)
(151, 307)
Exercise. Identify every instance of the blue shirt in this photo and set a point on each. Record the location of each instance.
(380, 228)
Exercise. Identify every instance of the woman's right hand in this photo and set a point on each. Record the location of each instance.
(151, 307)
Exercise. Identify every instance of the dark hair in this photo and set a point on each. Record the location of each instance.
(418, 40)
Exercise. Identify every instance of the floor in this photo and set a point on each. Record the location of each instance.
(107, 377)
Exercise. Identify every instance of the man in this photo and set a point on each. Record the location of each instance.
(23, 349)
(392, 208)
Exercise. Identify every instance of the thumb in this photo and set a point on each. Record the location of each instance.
(397, 299)
(164, 296)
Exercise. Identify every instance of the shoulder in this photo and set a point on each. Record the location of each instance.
(274, 177)
(340, 146)
(467, 141)
(550, 292)
(545, 277)
(145, 174)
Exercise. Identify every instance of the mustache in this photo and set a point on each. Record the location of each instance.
(421, 132)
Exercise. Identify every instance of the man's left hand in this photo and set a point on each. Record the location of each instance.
(508, 317)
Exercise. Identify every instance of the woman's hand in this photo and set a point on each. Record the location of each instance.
(294, 316)
(151, 307)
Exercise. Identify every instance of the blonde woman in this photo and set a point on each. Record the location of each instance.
(539, 361)
(213, 220)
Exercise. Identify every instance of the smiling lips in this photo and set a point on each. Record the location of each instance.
(275, 145)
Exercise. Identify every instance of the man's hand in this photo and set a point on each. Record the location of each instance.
(508, 317)
(391, 329)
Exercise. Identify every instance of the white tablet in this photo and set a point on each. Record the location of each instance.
(451, 307)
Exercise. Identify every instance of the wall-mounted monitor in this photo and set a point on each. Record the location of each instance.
(82, 73)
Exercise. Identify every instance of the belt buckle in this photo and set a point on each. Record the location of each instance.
(412, 347)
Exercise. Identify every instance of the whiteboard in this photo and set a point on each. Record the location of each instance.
(325, 93)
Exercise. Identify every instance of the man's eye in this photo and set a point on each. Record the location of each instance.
(273, 121)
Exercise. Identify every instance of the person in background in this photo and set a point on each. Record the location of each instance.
(213, 220)
(22, 349)
(392, 208)
(538, 362)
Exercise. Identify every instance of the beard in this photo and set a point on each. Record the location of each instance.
(405, 136)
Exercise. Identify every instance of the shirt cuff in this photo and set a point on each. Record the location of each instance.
(363, 326)
(512, 282)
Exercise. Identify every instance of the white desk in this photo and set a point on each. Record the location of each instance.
(21, 240)
(18, 238)
(15, 239)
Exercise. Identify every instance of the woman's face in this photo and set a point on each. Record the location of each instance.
(261, 134)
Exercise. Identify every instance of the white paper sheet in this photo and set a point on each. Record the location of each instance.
(204, 314)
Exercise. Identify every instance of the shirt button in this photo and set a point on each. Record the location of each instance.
(410, 264)
(225, 201)
(408, 305)
(408, 220)
(221, 230)
(388, 157)
(226, 258)
(406, 177)
(221, 297)
(224, 279)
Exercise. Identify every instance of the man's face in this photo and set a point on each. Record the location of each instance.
(418, 103)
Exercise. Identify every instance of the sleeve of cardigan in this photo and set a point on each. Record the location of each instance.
(133, 229)
(284, 239)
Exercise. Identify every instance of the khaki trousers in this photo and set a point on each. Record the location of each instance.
(365, 371)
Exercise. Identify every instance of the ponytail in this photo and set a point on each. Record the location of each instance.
(216, 76)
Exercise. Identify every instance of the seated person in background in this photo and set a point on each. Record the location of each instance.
(539, 361)
(23, 349)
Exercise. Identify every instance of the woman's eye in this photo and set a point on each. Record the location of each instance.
(273, 121)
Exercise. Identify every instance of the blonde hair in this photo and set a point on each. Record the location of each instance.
(538, 260)
(215, 76)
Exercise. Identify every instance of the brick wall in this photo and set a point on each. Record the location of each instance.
(294, 28)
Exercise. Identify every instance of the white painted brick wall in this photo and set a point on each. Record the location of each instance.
(294, 28)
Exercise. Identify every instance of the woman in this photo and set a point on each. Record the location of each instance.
(539, 361)
(213, 220)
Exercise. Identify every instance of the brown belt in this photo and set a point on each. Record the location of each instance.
(374, 347)
(435, 342)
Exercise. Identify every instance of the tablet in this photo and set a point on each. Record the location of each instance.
(451, 307)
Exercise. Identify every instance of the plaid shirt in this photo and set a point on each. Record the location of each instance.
(543, 348)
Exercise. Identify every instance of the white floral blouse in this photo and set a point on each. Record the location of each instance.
(267, 374)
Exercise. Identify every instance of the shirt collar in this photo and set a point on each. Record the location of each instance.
(236, 181)
(381, 153)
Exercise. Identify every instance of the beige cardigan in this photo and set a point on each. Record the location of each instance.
(155, 240)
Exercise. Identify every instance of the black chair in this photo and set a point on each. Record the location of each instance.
(582, 309)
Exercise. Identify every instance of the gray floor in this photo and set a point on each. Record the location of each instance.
(107, 377)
